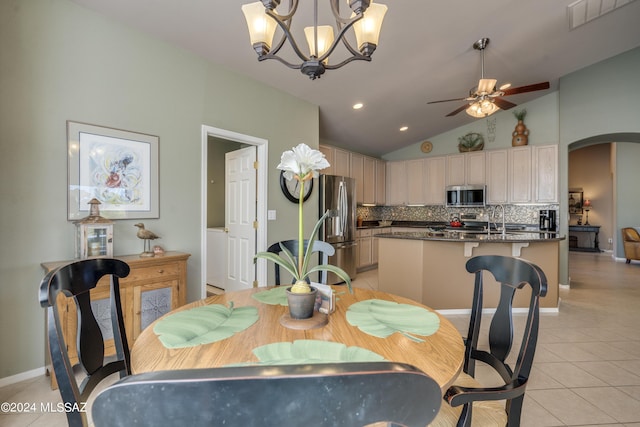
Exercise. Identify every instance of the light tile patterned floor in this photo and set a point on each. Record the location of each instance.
(587, 366)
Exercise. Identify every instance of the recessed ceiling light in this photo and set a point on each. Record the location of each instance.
(358, 106)
(403, 128)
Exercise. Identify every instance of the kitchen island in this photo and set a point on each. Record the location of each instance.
(429, 267)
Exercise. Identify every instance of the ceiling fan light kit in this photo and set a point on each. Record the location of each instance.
(366, 20)
(485, 99)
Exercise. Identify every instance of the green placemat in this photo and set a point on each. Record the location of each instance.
(311, 351)
(204, 325)
(274, 296)
(382, 318)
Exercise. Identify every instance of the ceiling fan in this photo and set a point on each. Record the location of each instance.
(485, 99)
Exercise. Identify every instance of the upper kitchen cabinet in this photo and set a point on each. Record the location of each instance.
(357, 173)
(416, 182)
(435, 177)
(466, 168)
(520, 176)
(545, 169)
(339, 159)
(455, 169)
(416, 194)
(328, 154)
(369, 180)
(368, 172)
(475, 167)
(363, 170)
(381, 182)
(527, 174)
(342, 160)
(533, 174)
(497, 176)
(396, 175)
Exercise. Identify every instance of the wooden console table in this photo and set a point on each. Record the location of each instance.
(154, 286)
(573, 238)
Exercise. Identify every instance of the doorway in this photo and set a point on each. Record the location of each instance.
(261, 146)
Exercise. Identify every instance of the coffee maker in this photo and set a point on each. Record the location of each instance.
(547, 220)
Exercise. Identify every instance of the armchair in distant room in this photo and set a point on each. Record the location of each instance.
(631, 242)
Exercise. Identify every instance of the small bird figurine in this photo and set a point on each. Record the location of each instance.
(147, 236)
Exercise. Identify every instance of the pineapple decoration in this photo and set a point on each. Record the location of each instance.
(521, 133)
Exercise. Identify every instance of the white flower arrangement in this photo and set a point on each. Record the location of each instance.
(303, 164)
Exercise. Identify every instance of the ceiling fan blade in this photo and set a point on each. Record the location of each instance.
(446, 100)
(454, 112)
(528, 88)
(503, 103)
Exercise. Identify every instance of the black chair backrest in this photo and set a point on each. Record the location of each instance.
(325, 250)
(75, 280)
(318, 395)
(512, 274)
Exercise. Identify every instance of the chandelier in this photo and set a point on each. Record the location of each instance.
(365, 19)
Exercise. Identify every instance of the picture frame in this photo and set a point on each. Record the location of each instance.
(575, 201)
(117, 167)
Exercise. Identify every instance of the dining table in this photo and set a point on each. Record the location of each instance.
(246, 327)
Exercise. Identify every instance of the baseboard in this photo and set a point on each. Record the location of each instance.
(23, 376)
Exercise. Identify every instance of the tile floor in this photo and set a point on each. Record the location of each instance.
(587, 366)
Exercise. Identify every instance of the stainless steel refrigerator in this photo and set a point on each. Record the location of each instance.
(337, 195)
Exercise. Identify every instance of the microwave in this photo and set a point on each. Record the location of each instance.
(465, 196)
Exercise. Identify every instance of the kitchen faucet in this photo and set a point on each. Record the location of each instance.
(493, 215)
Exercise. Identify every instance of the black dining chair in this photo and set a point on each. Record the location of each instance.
(318, 395)
(324, 249)
(469, 403)
(75, 281)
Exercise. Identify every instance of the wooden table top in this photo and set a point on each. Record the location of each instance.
(440, 355)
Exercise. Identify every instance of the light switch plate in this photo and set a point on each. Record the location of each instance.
(271, 215)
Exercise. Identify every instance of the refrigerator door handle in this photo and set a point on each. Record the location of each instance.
(342, 203)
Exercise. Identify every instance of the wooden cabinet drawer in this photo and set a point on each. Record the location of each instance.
(156, 272)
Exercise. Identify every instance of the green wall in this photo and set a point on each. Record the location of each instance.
(627, 213)
(60, 61)
(541, 120)
(600, 104)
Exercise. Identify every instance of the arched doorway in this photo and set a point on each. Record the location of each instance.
(624, 172)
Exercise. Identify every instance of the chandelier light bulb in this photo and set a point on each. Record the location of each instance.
(367, 29)
(325, 39)
(261, 27)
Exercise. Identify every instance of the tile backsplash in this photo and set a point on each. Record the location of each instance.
(514, 214)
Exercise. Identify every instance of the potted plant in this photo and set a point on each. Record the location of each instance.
(303, 164)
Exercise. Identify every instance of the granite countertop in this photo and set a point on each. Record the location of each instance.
(466, 236)
(413, 224)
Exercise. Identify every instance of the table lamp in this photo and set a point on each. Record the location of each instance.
(587, 207)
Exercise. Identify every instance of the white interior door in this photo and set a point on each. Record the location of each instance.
(240, 215)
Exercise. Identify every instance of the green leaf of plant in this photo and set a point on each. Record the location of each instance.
(204, 325)
(274, 296)
(382, 318)
(312, 351)
(270, 256)
(312, 239)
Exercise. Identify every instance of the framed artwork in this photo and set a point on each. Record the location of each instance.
(575, 201)
(117, 167)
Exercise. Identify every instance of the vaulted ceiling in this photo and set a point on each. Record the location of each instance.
(425, 54)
